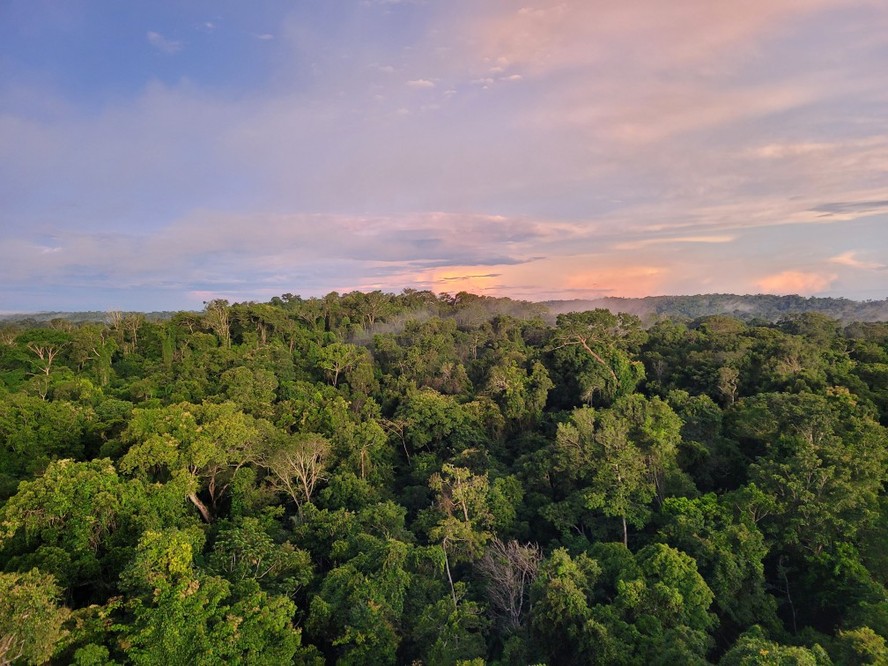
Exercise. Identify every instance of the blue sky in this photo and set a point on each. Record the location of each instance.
(154, 155)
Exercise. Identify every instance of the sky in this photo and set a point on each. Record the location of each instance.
(156, 154)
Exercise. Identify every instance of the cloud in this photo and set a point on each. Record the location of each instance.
(163, 44)
(844, 208)
(796, 282)
(451, 278)
(850, 259)
(626, 280)
(647, 242)
(689, 133)
(559, 34)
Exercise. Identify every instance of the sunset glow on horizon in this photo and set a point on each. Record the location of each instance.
(157, 155)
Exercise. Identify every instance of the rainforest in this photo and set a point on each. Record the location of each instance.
(371, 478)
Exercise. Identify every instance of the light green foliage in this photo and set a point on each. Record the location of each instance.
(296, 464)
(462, 502)
(754, 649)
(199, 446)
(521, 395)
(824, 466)
(596, 347)
(181, 615)
(339, 358)
(652, 608)
(561, 616)
(620, 458)
(252, 390)
(670, 589)
(31, 620)
(79, 519)
(437, 422)
(861, 646)
(163, 559)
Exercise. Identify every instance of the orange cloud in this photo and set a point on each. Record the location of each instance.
(618, 280)
(796, 282)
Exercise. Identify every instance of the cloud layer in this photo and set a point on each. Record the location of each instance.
(538, 151)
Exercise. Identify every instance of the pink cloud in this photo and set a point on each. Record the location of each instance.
(796, 282)
(850, 259)
(556, 33)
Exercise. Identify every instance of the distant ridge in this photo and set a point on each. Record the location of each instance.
(766, 307)
(473, 309)
(75, 317)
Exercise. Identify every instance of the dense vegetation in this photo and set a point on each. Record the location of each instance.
(749, 308)
(762, 307)
(374, 479)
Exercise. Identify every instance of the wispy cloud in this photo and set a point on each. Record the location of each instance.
(850, 259)
(163, 44)
(421, 83)
(647, 242)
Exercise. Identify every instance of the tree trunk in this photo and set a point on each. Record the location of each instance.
(204, 511)
(449, 577)
(625, 533)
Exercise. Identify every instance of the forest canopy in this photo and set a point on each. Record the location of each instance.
(370, 478)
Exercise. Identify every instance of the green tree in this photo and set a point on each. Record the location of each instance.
(198, 446)
(31, 620)
(182, 616)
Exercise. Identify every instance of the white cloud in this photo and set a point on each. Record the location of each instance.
(163, 44)
(421, 83)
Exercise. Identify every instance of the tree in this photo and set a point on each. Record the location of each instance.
(462, 503)
(729, 551)
(753, 647)
(605, 340)
(358, 610)
(244, 551)
(562, 621)
(199, 446)
(520, 396)
(217, 315)
(339, 357)
(31, 620)
(296, 465)
(595, 448)
(251, 389)
(79, 521)
(34, 432)
(46, 344)
(179, 615)
(509, 569)
(448, 633)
